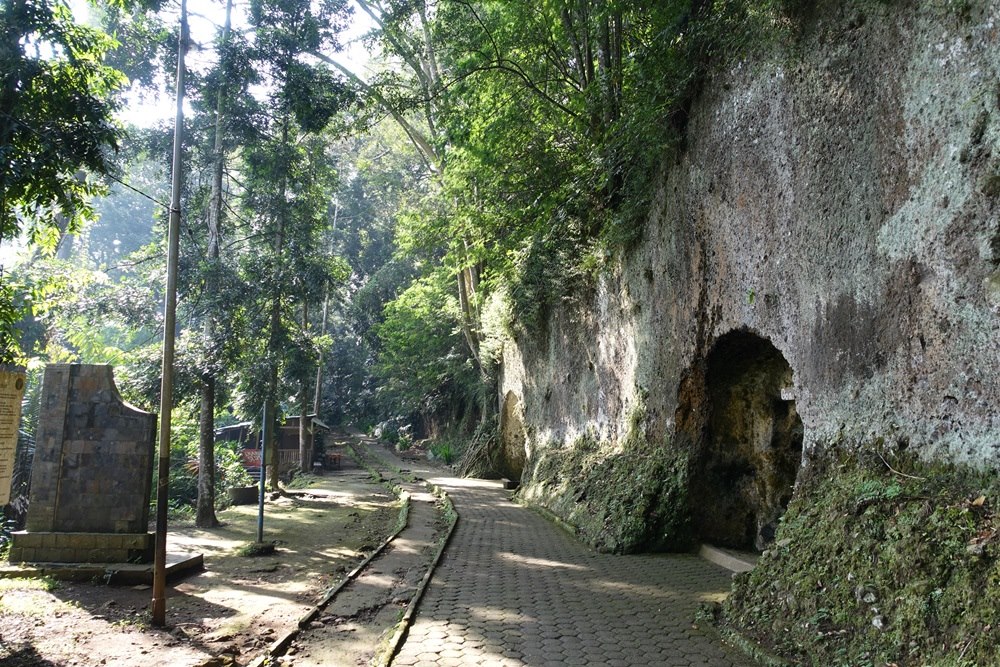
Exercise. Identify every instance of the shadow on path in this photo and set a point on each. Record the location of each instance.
(514, 589)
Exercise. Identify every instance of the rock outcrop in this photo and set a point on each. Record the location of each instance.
(820, 271)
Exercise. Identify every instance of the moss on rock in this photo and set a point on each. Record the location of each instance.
(879, 565)
(619, 498)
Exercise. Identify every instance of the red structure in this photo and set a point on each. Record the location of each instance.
(247, 434)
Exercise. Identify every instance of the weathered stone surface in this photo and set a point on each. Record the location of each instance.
(82, 547)
(92, 470)
(833, 200)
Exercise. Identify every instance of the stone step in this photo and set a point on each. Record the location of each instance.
(731, 559)
(178, 565)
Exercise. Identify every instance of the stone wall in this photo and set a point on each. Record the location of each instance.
(91, 477)
(838, 200)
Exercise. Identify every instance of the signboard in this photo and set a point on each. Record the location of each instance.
(11, 393)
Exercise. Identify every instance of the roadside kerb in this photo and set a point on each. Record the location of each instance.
(403, 627)
(280, 645)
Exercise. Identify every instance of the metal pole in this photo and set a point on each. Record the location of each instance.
(265, 429)
(169, 325)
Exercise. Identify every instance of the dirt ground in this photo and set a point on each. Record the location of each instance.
(226, 614)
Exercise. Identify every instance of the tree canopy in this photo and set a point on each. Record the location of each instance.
(391, 225)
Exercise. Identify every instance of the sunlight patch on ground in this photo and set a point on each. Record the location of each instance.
(634, 589)
(538, 562)
(408, 546)
(494, 615)
(29, 601)
(465, 483)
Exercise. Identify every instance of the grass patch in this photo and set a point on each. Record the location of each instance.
(46, 584)
(444, 451)
(303, 480)
(29, 597)
(255, 549)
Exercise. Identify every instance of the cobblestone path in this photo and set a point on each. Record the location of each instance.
(514, 589)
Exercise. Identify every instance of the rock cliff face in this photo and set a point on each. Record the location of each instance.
(820, 271)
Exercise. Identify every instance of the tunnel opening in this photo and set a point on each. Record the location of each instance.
(748, 442)
(513, 438)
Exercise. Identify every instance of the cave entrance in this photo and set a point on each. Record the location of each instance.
(513, 438)
(748, 448)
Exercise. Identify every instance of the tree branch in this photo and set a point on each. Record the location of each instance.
(424, 148)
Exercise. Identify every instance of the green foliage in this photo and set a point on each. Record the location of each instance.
(56, 105)
(20, 484)
(444, 451)
(873, 565)
(183, 493)
(7, 526)
(183, 461)
(144, 47)
(89, 315)
(285, 29)
(229, 468)
(546, 268)
(540, 129)
(13, 309)
(55, 116)
(552, 124)
(124, 219)
(423, 362)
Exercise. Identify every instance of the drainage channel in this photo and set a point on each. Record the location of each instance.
(364, 619)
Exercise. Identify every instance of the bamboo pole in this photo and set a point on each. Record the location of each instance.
(159, 604)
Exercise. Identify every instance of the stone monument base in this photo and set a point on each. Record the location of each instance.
(42, 547)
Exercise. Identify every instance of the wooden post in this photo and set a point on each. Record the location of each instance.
(159, 605)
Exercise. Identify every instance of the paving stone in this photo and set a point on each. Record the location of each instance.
(514, 589)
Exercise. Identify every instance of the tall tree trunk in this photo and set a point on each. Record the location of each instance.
(428, 59)
(64, 250)
(470, 322)
(429, 51)
(577, 45)
(275, 326)
(205, 505)
(322, 330)
(305, 448)
(319, 362)
(428, 153)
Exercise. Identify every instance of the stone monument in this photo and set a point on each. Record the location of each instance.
(91, 478)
